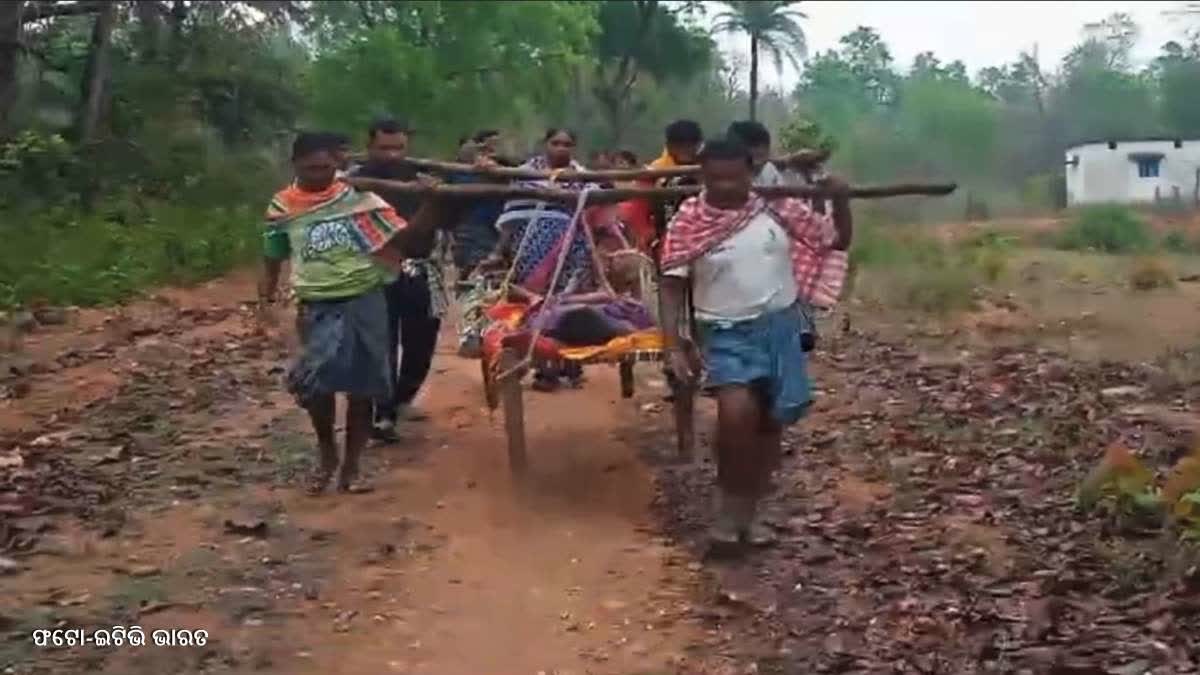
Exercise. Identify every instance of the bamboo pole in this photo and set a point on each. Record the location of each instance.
(610, 196)
(799, 159)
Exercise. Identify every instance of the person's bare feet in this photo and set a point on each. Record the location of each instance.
(357, 486)
(412, 413)
(318, 479)
(349, 480)
(729, 520)
(759, 534)
(384, 432)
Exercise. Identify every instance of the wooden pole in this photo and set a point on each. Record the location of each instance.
(513, 401)
(490, 395)
(610, 196)
(799, 159)
(683, 408)
(626, 371)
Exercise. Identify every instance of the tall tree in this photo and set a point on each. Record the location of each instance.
(96, 73)
(773, 26)
(450, 67)
(1177, 71)
(1119, 33)
(637, 39)
(10, 53)
(870, 63)
(1020, 83)
(926, 65)
(839, 87)
(1097, 94)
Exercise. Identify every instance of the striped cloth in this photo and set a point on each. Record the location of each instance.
(820, 270)
(335, 238)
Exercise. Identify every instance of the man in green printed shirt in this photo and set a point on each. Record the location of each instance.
(343, 245)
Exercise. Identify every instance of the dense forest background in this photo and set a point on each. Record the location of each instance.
(139, 140)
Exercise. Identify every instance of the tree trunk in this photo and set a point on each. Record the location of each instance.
(95, 78)
(616, 122)
(178, 16)
(753, 76)
(10, 56)
(150, 29)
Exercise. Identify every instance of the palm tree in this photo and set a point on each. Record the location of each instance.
(774, 26)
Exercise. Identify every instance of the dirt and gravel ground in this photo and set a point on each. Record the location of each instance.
(147, 467)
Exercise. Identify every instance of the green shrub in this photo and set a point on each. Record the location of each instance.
(1178, 242)
(883, 246)
(912, 270)
(937, 290)
(65, 258)
(1108, 228)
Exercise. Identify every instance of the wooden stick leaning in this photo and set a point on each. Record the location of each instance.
(610, 196)
(800, 159)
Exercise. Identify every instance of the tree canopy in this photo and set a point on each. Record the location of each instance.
(773, 26)
(114, 113)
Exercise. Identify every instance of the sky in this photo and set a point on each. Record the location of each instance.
(981, 34)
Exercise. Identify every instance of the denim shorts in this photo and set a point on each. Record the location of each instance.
(764, 352)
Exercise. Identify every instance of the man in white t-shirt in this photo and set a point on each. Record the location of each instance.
(753, 266)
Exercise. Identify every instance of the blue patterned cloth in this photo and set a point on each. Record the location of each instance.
(537, 257)
(764, 352)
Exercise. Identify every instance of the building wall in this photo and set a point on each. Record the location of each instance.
(1102, 174)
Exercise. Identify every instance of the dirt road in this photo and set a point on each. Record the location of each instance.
(926, 511)
(156, 491)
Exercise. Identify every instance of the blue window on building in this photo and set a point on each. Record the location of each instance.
(1148, 167)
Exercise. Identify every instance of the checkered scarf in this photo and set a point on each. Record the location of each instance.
(820, 270)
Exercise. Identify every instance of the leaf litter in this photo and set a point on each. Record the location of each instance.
(928, 522)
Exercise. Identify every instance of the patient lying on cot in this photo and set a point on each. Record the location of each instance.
(594, 318)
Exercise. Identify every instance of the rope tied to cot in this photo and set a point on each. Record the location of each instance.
(576, 220)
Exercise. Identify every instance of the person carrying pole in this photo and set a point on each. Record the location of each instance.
(417, 298)
(754, 268)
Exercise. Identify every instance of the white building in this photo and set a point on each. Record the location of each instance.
(1134, 171)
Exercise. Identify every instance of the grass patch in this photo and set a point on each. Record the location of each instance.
(130, 594)
(909, 269)
(293, 455)
(1106, 228)
(940, 290)
(18, 626)
(61, 257)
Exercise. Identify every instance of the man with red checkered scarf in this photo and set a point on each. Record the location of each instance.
(756, 268)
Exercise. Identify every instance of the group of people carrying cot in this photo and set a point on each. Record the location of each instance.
(738, 276)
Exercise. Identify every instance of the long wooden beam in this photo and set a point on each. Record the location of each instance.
(610, 196)
(517, 173)
(800, 159)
